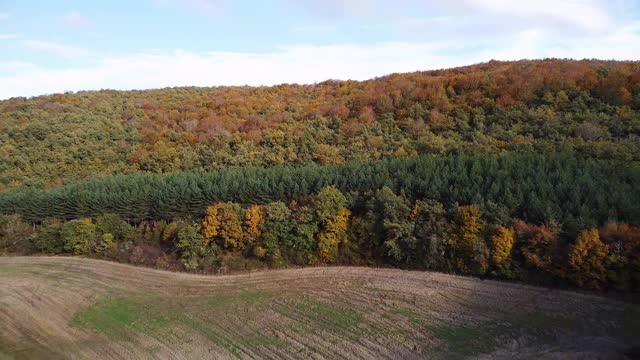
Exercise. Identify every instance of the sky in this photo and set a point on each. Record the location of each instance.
(70, 45)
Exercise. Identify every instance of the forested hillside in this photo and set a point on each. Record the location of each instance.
(591, 107)
(523, 170)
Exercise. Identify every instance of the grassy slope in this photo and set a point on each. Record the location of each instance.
(72, 307)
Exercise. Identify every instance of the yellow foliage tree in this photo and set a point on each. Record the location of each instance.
(230, 230)
(334, 234)
(253, 219)
(502, 242)
(469, 249)
(586, 259)
(223, 222)
(328, 154)
(210, 223)
(169, 232)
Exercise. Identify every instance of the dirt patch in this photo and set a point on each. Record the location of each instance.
(81, 308)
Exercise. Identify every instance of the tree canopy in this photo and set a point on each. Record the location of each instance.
(590, 107)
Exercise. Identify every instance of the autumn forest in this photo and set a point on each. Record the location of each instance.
(523, 171)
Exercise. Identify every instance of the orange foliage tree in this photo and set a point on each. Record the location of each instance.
(540, 246)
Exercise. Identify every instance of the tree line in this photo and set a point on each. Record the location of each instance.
(540, 218)
(375, 228)
(539, 188)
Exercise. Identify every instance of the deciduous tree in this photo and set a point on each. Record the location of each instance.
(469, 250)
(502, 242)
(587, 258)
(78, 235)
(539, 246)
(253, 219)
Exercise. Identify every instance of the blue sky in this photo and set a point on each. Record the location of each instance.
(70, 45)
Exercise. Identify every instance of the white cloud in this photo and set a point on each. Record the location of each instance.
(621, 44)
(12, 67)
(592, 15)
(75, 19)
(55, 48)
(461, 32)
(306, 64)
(586, 14)
(208, 7)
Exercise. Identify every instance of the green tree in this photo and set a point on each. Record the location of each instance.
(328, 203)
(190, 245)
(301, 246)
(114, 225)
(432, 232)
(78, 235)
(48, 237)
(396, 225)
(105, 244)
(276, 229)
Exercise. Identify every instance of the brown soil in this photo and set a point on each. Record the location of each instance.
(60, 307)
